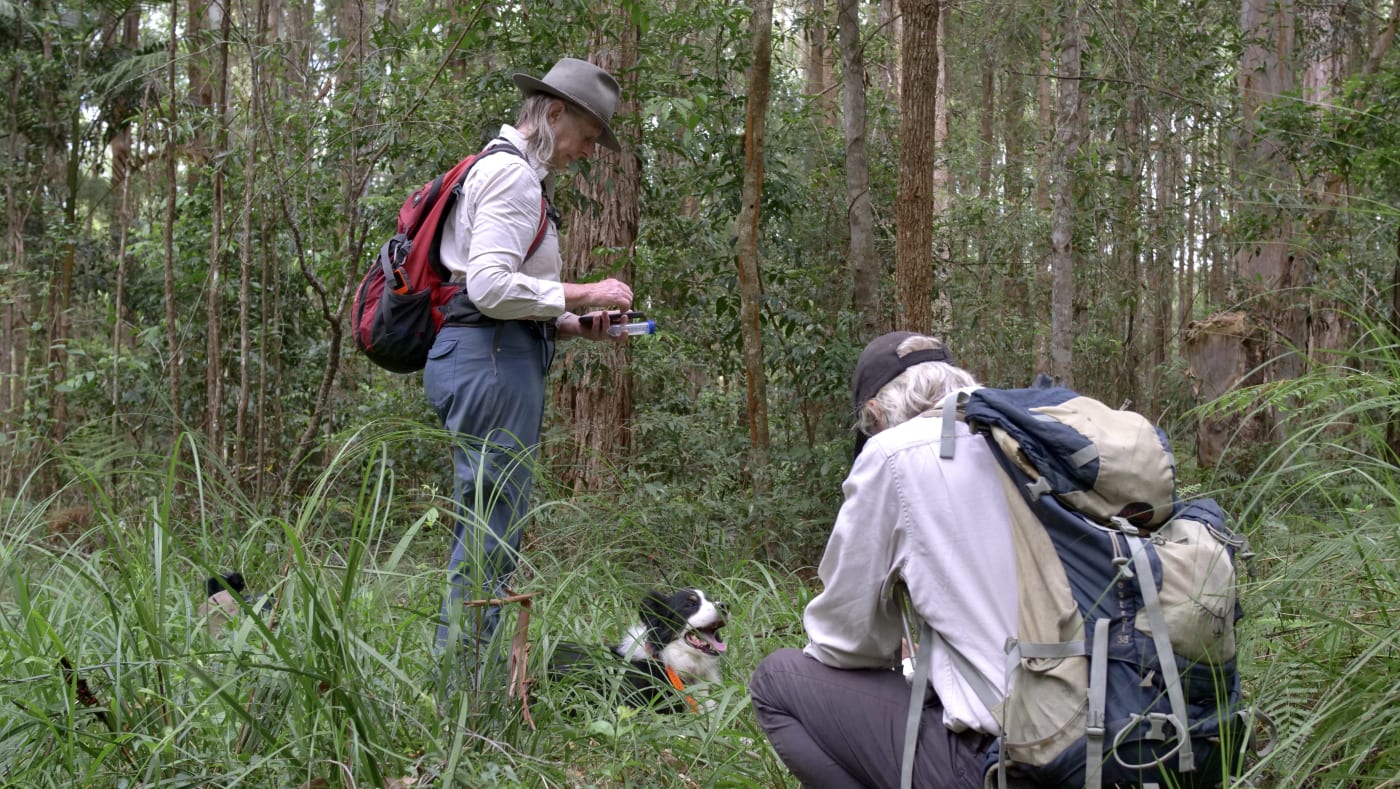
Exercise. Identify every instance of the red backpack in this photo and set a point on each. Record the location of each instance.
(399, 304)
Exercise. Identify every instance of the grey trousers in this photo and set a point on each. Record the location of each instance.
(487, 385)
(845, 728)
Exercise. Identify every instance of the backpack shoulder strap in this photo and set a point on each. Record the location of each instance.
(985, 691)
(544, 225)
(502, 145)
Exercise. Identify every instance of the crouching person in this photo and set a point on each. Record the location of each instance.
(836, 710)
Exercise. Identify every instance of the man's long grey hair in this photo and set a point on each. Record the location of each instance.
(914, 391)
(534, 112)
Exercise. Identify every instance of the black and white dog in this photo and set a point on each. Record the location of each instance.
(675, 646)
(222, 597)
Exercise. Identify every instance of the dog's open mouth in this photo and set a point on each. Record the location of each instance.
(706, 640)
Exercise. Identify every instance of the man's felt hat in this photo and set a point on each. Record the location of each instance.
(582, 84)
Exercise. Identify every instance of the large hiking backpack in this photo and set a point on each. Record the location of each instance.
(1122, 672)
(400, 302)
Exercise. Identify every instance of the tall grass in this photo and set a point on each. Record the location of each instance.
(110, 678)
(1321, 651)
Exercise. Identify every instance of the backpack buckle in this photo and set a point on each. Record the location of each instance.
(1124, 566)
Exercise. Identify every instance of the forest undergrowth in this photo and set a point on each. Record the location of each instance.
(111, 678)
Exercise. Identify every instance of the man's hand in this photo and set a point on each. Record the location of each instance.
(597, 328)
(610, 292)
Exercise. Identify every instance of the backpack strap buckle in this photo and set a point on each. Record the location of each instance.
(1156, 731)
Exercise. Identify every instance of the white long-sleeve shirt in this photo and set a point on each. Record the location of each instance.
(944, 528)
(490, 229)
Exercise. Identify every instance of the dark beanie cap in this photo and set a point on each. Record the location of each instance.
(881, 363)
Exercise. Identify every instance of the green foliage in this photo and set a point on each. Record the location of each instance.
(1320, 647)
(111, 675)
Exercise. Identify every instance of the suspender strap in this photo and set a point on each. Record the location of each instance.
(1186, 761)
(918, 686)
(1098, 701)
(947, 443)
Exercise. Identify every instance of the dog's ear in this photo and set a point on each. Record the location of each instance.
(659, 617)
(654, 606)
(233, 581)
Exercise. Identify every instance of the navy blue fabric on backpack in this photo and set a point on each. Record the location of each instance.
(1123, 668)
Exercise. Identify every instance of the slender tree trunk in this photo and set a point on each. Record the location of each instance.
(172, 336)
(245, 297)
(1068, 133)
(331, 297)
(860, 216)
(747, 248)
(1127, 247)
(1014, 108)
(1045, 131)
(892, 23)
(1045, 93)
(13, 345)
(942, 318)
(594, 400)
(817, 66)
(1187, 276)
(1160, 274)
(200, 93)
(121, 183)
(986, 133)
(213, 371)
(61, 285)
(1392, 427)
(269, 303)
(914, 209)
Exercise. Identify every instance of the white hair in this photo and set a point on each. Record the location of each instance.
(914, 391)
(539, 143)
(534, 115)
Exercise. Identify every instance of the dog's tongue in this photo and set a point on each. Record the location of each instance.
(718, 645)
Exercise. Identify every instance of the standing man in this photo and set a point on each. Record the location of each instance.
(485, 373)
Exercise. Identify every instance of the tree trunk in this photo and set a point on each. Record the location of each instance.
(892, 23)
(1160, 275)
(1127, 247)
(817, 66)
(200, 93)
(594, 396)
(1392, 427)
(175, 358)
(1068, 133)
(121, 183)
(914, 208)
(860, 256)
(1265, 268)
(213, 369)
(747, 251)
(1045, 132)
(985, 134)
(13, 344)
(245, 298)
(942, 315)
